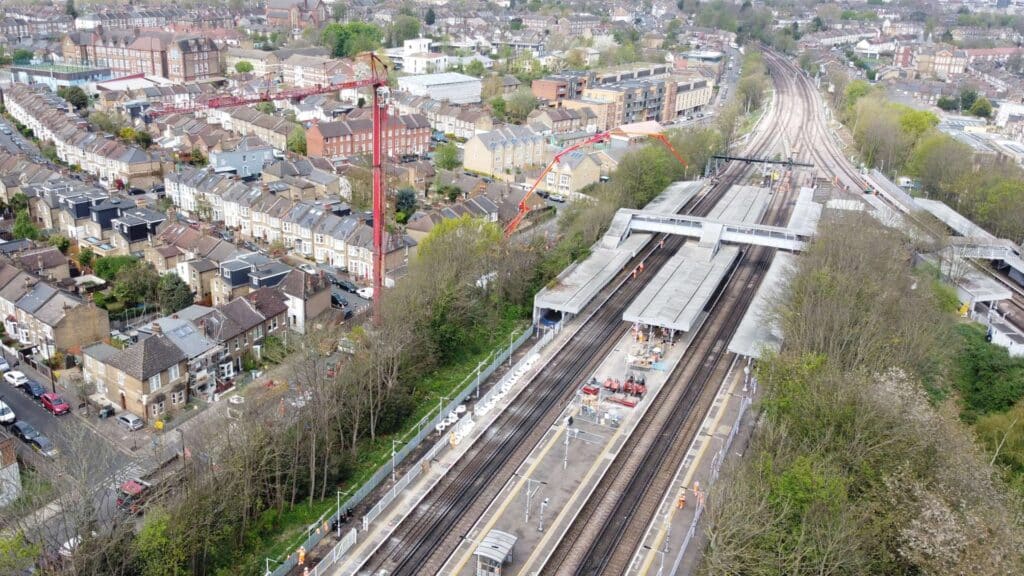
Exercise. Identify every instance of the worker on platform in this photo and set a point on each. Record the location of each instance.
(681, 501)
(302, 555)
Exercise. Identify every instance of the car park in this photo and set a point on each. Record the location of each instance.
(23, 430)
(44, 446)
(34, 389)
(54, 403)
(7, 415)
(15, 378)
(129, 421)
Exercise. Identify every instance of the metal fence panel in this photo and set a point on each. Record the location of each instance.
(426, 427)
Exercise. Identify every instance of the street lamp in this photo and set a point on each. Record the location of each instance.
(394, 444)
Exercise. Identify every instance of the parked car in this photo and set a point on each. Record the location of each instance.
(15, 378)
(4, 366)
(308, 268)
(54, 403)
(365, 293)
(7, 416)
(132, 495)
(130, 422)
(347, 286)
(557, 198)
(44, 446)
(34, 389)
(23, 430)
(338, 301)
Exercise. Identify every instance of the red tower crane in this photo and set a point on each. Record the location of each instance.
(377, 79)
(524, 207)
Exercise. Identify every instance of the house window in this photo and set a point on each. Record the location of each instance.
(227, 370)
(238, 343)
(177, 397)
(258, 333)
(120, 379)
(173, 372)
(154, 383)
(156, 409)
(273, 324)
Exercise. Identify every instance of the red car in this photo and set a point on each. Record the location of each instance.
(54, 403)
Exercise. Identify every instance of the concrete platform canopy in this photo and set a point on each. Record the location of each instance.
(676, 296)
(741, 204)
(577, 285)
(758, 331)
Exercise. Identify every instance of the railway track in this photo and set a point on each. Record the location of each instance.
(612, 524)
(427, 537)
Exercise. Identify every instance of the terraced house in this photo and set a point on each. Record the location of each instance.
(44, 318)
(50, 119)
(406, 135)
(245, 121)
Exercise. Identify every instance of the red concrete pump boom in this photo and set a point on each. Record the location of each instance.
(524, 207)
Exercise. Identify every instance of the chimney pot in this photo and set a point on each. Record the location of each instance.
(157, 330)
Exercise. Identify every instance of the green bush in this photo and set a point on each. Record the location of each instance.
(986, 376)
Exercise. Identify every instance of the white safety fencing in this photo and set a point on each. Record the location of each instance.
(716, 467)
(446, 416)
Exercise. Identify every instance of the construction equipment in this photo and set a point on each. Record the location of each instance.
(377, 79)
(600, 137)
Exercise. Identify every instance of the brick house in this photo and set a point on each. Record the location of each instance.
(405, 135)
(147, 378)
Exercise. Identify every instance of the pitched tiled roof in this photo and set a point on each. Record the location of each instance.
(148, 357)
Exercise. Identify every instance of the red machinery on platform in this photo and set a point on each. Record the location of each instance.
(377, 78)
(524, 207)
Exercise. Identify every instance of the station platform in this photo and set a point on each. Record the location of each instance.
(565, 467)
(741, 204)
(676, 296)
(806, 213)
(577, 285)
(972, 286)
(758, 331)
(673, 543)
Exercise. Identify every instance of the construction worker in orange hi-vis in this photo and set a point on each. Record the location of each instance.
(681, 502)
(302, 555)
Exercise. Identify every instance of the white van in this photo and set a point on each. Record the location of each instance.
(6, 414)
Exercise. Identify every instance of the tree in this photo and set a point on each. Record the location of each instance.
(520, 104)
(338, 11)
(143, 139)
(430, 16)
(69, 9)
(446, 156)
(22, 56)
(405, 204)
(127, 134)
(17, 554)
(138, 282)
(61, 242)
(85, 257)
(173, 294)
(404, 28)
(75, 96)
(107, 267)
(476, 68)
(981, 108)
(498, 107)
(297, 140)
(347, 40)
(243, 67)
(24, 227)
(18, 202)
